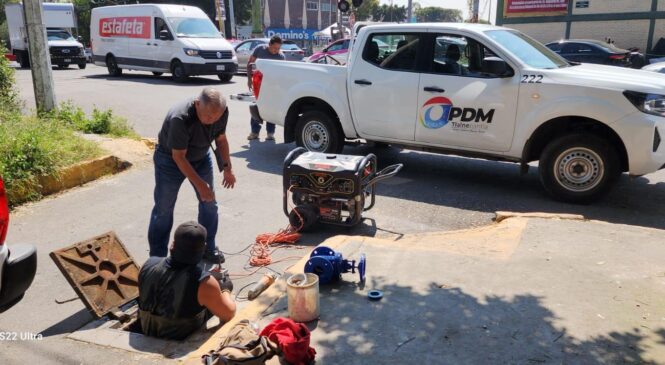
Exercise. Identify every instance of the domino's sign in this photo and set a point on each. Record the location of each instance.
(291, 33)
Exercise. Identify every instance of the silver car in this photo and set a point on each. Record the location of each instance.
(245, 49)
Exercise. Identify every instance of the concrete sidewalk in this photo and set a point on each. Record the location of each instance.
(525, 290)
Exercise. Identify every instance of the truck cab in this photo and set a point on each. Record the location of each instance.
(60, 21)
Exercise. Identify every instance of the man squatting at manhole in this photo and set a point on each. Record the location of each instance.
(176, 296)
(183, 152)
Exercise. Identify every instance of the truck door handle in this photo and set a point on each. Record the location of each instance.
(363, 82)
(434, 89)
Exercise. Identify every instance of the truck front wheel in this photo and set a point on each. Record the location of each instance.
(23, 59)
(578, 168)
(318, 132)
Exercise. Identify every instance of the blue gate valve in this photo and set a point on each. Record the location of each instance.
(330, 265)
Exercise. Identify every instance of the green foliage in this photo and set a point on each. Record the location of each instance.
(8, 96)
(437, 14)
(31, 147)
(101, 121)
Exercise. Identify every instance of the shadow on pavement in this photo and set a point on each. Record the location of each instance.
(157, 80)
(441, 325)
(69, 324)
(483, 186)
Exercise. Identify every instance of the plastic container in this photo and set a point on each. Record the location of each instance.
(303, 295)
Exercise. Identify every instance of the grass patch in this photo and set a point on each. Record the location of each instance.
(32, 147)
(100, 122)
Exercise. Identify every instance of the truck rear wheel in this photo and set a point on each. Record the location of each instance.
(318, 132)
(112, 67)
(578, 168)
(23, 59)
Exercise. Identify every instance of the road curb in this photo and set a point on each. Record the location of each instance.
(72, 176)
(500, 216)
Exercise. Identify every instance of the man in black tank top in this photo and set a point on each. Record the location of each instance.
(176, 297)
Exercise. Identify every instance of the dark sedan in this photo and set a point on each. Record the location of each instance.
(591, 51)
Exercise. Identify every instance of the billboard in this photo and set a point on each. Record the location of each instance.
(516, 8)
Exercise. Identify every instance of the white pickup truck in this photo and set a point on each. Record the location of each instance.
(477, 91)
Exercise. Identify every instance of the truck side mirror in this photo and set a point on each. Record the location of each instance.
(164, 35)
(497, 67)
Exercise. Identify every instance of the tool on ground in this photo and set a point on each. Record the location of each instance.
(329, 265)
(221, 274)
(266, 281)
(329, 188)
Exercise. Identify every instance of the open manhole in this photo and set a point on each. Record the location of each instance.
(101, 271)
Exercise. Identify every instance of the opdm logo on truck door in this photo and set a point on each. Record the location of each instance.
(437, 112)
(125, 27)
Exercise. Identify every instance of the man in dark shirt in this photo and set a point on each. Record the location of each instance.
(272, 51)
(176, 297)
(183, 153)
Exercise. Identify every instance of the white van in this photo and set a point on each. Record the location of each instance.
(176, 39)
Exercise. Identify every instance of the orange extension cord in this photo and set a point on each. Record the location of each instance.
(261, 250)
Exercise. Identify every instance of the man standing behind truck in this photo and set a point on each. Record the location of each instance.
(272, 51)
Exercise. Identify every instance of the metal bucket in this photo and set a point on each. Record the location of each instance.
(303, 294)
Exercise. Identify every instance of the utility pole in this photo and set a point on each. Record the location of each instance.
(234, 31)
(220, 5)
(40, 63)
(409, 14)
(476, 6)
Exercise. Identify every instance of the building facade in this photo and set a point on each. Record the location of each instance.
(628, 23)
(298, 20)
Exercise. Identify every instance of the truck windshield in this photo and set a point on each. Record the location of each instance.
(59, 36)
(527, 50)
(194, 28)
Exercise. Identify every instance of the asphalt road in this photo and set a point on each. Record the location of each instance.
(432, 193)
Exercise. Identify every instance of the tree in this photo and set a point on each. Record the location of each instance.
(242, 11)
(387, 13)
(436, 14)
(365, 11)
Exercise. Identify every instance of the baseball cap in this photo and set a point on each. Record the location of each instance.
(189, 243)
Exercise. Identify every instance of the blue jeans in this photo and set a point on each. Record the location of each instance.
(168, 179)
(256, 127)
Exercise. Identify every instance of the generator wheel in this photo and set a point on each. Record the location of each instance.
(303, 217)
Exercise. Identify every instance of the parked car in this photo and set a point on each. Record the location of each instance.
(477, 91)
(18, 264)
(245, 49)
(337, 50)
(655, 67)
(591, 51)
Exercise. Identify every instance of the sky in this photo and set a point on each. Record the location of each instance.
(452, 4)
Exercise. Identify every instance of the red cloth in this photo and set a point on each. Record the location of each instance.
(293, 340)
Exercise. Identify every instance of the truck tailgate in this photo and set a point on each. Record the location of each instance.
(286, 82)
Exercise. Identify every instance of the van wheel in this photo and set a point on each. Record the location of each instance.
(318, 132)
(112, 67)
(158, 73)
(178, 72)
(225, 77)
(83, 65)
(578, 168)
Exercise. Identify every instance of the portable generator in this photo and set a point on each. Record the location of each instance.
(329, 188)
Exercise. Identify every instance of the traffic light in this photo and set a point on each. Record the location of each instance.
(357, 3)
(343, 5)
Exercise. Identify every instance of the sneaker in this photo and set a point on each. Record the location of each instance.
(270, 137)
(252, 136)
(215, 256)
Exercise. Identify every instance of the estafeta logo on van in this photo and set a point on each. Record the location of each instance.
(128, 27)
(437, 112)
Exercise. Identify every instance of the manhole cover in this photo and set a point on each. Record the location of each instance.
(101, 271)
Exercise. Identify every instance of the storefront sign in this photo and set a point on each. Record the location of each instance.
(515, 8)
(291, 34)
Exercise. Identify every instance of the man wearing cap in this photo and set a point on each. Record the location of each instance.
(176, 296)
(182, 153)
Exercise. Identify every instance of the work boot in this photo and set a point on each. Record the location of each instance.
(270, 137)
(252, 136)
(215, 256)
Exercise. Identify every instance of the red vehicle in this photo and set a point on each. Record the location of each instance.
(18, 264)
(338, 50)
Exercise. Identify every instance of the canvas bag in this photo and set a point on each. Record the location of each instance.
(242, 346)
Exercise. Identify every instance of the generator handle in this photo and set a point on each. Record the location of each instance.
(366, 160)
(293, 155)
(386, 173)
